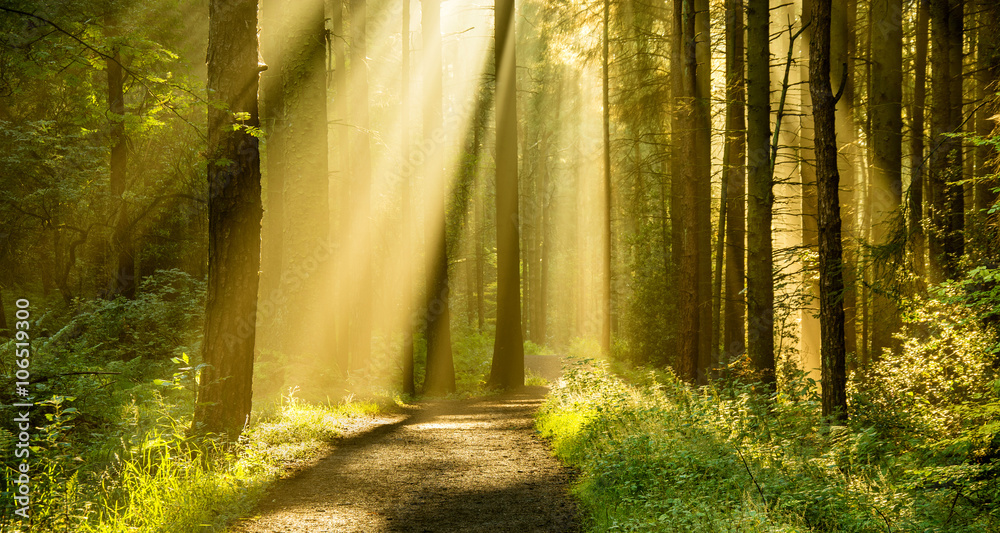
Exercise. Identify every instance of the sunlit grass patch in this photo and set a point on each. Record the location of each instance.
(183, 485)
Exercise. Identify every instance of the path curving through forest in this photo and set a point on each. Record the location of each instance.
(445, 466)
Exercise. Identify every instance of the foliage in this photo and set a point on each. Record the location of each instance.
(657, 455)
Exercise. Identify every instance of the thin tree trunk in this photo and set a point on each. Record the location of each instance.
(734, 343)
(703, 183)
(507, 371)
(987, 78)
(123, 282)
(917, 168)
(342, 193)
(885, 107)
(235, 211)
(606, 209)
(406, 211)
(361, 180)
(760, 199)
(834, 396)
(272, 34)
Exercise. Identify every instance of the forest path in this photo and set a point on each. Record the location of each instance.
(445, 466)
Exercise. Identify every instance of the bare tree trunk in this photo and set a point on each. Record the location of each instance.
(760, 199)
(405, 201)
(987, 78)
(734, 343)
(834, 395)
(885, 107)
(703, 183)
(507, 371)
(917, 167)
(440, 377)
(606, 224)
(123, 281)
(235, 211)
(273, 31)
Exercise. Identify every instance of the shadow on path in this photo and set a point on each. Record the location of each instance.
(445, 466)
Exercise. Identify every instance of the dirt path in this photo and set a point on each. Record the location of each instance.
(447, 466)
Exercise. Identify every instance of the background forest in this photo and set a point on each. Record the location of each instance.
(764, 234)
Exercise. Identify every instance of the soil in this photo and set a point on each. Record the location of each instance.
(444, 466)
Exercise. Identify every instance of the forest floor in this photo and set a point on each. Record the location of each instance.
(444, 466)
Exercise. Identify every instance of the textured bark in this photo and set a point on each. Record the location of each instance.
(234, 217)
(703, 184)
(760, 197)
(685, 223)
(734, 343)
(834, 396)
(440, 376)
(507, 371)
(886, 111)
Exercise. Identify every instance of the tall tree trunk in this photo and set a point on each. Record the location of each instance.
(987, 79)
(811, 330)
(405, 201)
(734, 343)
(507, 371)
(273, 31)
(123, 280)
(361, 190)
(687, 191)
(234, 216)
(342, 193)
(440, 376)
(834, 396)
(606, 209)
(947, 197)
(917, 167)
(885, 107)
(843, 49)
(703, 183)
(306, 177)
(760, 198)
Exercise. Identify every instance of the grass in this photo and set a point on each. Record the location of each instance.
(173, 484)
(658, 455)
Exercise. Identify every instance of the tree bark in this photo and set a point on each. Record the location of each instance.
(734, 343)
(987, 79)
(760, 199)
(507, 371)
(361, 190)
(235, 211)
(834, 396)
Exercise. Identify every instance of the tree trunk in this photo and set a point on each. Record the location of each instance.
(305, 176)
(361, 190)
(734, 343)
(440, 376)
(341, 193)
(606, 212)
(235, 211)
(406, 212)
(760, 199)
(917, 167)
(273, 31)
(834, 396)
(885, 107)
(987, 78)
(507, 371)
(123, 282)
(703, 183)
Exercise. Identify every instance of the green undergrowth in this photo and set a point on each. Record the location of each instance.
(167, 482)
(656, 454)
